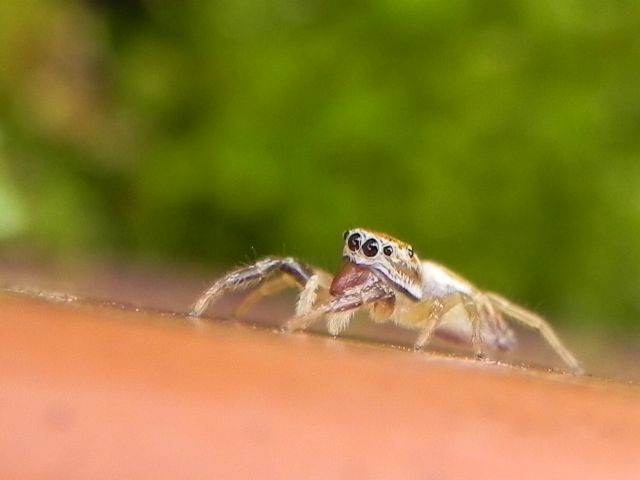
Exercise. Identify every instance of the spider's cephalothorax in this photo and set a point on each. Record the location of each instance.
(393, 259)
(385, 276)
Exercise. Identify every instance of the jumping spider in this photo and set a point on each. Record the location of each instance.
(385, 276)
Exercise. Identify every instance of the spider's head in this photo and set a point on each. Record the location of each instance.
(394, 260)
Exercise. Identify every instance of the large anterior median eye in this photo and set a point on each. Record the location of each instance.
(354, 242)
(370, 247)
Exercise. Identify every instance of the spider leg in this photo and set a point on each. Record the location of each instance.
(430, 313)
(246, 277)
(471, 308)
(434, 309)
(337, 322)
(496, 331)
(317, 285)
(340, 310)
(536, 322)
(268, 287)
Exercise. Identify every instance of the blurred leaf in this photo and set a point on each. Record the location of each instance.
(500, 138)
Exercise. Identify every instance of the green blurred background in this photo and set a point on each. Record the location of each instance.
(501, 138)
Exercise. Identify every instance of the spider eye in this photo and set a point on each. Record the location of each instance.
(354, 242)
(370, 247)
(410, 251)
(345, 234)
(388, 250)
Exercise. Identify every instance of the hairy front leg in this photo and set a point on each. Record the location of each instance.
(267, 288)
(247, 277)
(316, 289)
(339, 310)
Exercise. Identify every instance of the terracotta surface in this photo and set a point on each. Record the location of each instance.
(96, 392)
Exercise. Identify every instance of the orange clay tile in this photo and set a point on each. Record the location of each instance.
(102, 393)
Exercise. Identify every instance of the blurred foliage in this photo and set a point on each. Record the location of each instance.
(500, 138)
